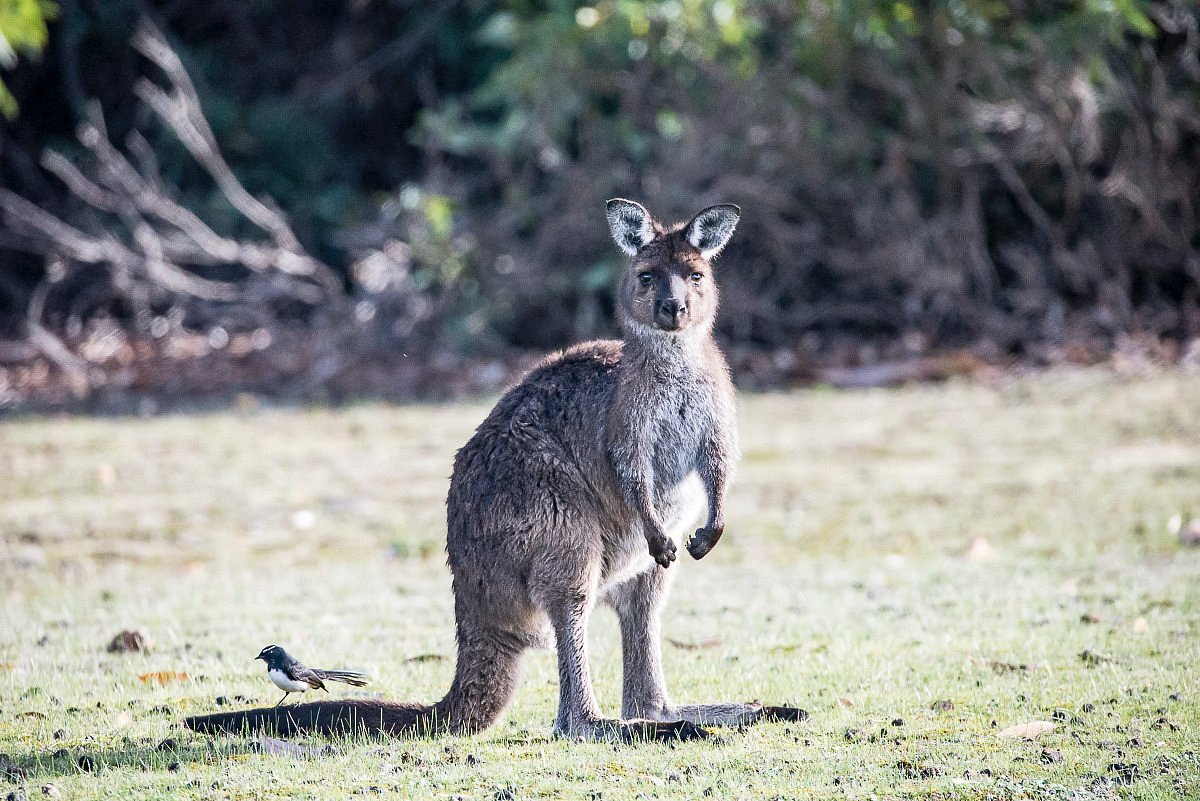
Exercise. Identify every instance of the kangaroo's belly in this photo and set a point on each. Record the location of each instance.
(626, 555)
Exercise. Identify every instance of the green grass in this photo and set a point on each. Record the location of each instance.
(845, 584)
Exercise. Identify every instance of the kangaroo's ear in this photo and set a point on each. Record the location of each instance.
(630, 225)
(710, 229)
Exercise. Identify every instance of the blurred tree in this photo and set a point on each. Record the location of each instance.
(914, 173)
(941, 168)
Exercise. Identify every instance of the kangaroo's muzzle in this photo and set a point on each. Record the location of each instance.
(670, 314)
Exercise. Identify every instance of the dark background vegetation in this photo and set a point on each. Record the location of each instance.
(998, 180)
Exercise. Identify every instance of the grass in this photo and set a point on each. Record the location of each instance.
(886, 551)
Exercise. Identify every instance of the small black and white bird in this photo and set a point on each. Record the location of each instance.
(289, 675)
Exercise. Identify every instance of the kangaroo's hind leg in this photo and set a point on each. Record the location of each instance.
(639, 603)
(568, 598)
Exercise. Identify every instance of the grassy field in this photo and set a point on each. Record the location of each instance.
(919, 568)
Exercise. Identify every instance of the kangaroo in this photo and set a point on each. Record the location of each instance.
(575, 491)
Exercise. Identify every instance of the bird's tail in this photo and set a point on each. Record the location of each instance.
(350, 677)
(485, 680)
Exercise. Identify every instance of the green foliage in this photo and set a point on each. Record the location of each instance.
(883, 125)
(22, 31)
(565, 67)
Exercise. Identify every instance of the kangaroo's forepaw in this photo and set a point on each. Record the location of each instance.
(662, 549)
(704, 540)
(790, 714)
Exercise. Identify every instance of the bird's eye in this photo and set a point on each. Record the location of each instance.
(646, 278)
(697, 277)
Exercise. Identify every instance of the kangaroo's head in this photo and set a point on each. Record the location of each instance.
(669, 285)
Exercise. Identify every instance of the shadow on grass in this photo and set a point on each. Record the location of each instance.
(169, 755)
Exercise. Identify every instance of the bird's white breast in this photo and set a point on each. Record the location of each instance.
(281, 680)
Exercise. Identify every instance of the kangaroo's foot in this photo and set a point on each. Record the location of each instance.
(786, 714)
(633, 731)
(732, 714)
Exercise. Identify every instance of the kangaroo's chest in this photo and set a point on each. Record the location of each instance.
(680, 419)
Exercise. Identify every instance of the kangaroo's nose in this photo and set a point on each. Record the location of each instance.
(672, 311)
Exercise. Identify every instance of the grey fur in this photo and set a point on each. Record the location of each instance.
(575, 491)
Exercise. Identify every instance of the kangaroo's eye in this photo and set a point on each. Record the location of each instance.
(646, 278)
(697, 277)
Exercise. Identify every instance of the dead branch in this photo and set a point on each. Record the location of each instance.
(73, 367)
(150, 244)
(46, 234)
(165, 234)
(180, 109)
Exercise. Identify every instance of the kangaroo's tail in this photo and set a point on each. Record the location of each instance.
(485, 679)
(324, 717)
